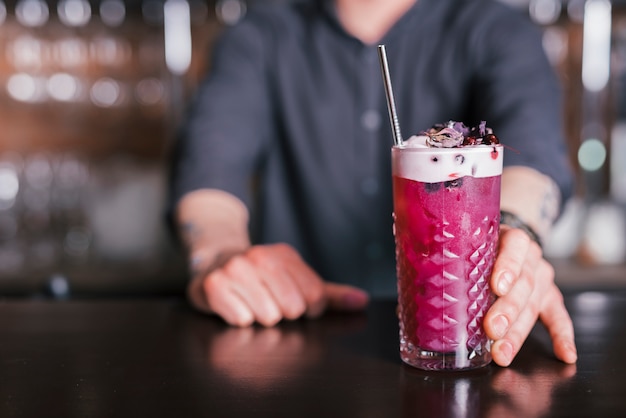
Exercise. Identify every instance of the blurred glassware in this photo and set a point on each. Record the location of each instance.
(42, 253)
(544, 12)
(149, 91)
(592, 154)
(566, 234)
(27, 88)
(120, 193)
(230, 12)
(71, 172)
(71, 177)
(109, 51)
(150, 55)
(59, 286)
(9, 185)
(618, 162)
(32, 13)
(36, 201)
(56, 213)
(36, 219)
(11, 258)
(25, 52)
(70, 52)
(38, 171)
(555, 43)
(112, 12)
(596, 44)
(77, 241)
(576, 10)
(177, 32)
(106, 92)
(605, 234)
(64, 87)
(74, 12)
(8, 227)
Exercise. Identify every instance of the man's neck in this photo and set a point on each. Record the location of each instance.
(370, 20)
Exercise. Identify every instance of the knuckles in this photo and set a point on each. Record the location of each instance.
(260, 258)
(234, 265)
(518, 236)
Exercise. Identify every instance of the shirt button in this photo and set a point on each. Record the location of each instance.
(370, 120)
(369, 186)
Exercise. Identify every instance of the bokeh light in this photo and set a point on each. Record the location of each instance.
(112, 12)
(32, 13)
(591, 154)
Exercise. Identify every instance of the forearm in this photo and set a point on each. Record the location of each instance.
(213, 225)
(532, 196)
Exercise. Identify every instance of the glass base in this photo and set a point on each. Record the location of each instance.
(453, 361)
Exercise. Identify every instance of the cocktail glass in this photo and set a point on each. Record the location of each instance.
(446, 227)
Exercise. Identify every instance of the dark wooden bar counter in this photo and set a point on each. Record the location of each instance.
(158, 358)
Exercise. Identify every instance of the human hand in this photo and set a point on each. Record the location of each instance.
(279, 355)
(524, 283)
(515, 389)
(268, 283)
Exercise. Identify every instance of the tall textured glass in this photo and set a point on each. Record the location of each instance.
(446, 223)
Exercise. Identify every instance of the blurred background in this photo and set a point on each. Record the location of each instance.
(91, 92)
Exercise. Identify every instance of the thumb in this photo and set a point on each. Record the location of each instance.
(341, 297)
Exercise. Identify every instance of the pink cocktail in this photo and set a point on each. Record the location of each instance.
(446, 223)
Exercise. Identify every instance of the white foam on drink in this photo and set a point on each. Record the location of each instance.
(417, 161)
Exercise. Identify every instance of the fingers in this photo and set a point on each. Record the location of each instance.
(245, 281)
(514, 249)
(267, 284)
(315, 294)
(213, 294)
(309, 284)
(524, 282)
(279, 282)
(506, 348)
(520, 307)
(345, 298)
(513, 280)
(560, 326)
(247, 289)
(555, 318)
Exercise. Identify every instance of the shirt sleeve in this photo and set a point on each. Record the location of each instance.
(519, 95)
(221, 142)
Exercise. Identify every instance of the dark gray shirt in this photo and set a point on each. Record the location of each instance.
(292, 119)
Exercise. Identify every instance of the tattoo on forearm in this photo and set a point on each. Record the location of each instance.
(201, 264)
(549, 208)
(196, 265)
(191, 233)
(202, 257)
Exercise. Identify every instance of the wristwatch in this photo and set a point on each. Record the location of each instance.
(514, 221)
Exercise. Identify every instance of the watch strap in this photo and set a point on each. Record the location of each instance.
(514, 221)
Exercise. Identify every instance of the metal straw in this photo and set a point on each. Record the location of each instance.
(391, 104)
